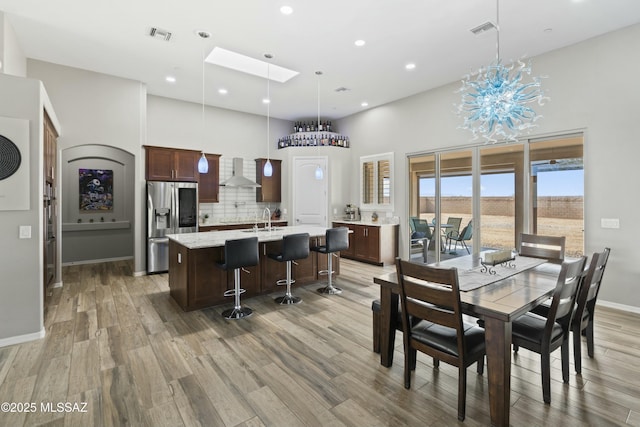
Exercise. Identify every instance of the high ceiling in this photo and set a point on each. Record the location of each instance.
(112, 37)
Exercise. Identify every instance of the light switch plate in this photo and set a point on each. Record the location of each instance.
(609, 223)
(25, 231)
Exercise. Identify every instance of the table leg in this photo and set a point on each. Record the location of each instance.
(498, 341)
(389, 311)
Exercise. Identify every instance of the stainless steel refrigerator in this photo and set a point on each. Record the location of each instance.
(172, 208)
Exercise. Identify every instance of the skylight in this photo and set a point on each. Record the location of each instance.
(246, 64)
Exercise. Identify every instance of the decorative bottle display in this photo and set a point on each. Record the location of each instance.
(313, 133)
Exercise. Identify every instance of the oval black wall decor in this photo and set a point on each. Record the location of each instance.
(10, 158)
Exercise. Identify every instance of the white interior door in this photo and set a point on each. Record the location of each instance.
(310, 195)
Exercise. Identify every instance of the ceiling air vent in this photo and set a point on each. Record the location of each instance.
(159, 33)
(342, 89)
(483, 28)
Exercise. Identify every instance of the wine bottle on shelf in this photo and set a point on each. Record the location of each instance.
(319, 126)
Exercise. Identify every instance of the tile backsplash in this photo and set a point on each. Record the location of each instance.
(236, 204)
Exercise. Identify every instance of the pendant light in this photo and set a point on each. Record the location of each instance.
(319, 171)
(203, 163)
(268, 169)
(496, 101)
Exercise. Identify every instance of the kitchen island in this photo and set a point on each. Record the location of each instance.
(195, 280)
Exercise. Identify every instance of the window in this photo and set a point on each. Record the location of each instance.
(375, 182)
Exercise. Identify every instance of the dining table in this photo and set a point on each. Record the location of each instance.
(497, 295)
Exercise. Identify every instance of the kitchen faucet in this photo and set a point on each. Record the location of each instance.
(267, 223)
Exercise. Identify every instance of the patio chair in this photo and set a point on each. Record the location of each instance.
(421, 235)
(453, 231)
(464, 236)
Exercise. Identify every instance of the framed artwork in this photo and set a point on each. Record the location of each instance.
(96, 190)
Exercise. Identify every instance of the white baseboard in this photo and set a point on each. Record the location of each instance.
(5, 342)
(622, 307)
(96, 261)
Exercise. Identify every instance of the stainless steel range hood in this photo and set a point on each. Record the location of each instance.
(237, 178)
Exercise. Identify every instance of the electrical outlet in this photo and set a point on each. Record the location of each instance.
(609, 223)
(25, 231)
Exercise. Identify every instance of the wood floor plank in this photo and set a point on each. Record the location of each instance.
(272, 411)
(304, 401)
(51, 387)
(169, 357)
(151, 385)
(166, 415)
(85, 375)
(195, 407)
(120, 403)
(227, 401)
(85, 409)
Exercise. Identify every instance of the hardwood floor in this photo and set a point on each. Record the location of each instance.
(120, 345)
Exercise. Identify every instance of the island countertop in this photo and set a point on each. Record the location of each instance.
(211, 239)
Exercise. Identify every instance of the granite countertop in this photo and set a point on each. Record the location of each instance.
(223, 222)
(210, 239)
(368, 223)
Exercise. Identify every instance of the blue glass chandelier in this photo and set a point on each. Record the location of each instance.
(496, 100)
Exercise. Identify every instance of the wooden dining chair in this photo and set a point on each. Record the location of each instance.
(550, 248)
(542, 334)
(432, 295)
(583, 317)
(582, 321)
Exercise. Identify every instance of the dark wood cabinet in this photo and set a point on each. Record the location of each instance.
(171, 164)
(270, 189)
(209, 183)
(50, 150)
(376, 244)
(367, 243)
(271, 270)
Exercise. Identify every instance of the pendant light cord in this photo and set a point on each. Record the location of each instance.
(202, 133)
(268, 105)
(497, 30)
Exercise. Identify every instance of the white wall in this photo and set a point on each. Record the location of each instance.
(12, 58)
(593, 87)
(21, 260)
(98, 109)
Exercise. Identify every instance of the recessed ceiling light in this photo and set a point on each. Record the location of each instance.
(410, 66)
(548, 30)
(223, 91)
(203, 34)
(286, 10)
(266, 101)
(170, 79)
(360, 43)
(246, 64)
(364, 104)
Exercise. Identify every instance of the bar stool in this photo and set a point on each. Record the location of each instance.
(294, 247)
(336, 239)
(238, 253)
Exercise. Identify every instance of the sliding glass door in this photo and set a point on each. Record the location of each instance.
(557, 191)
(534, 187)
(501, 195)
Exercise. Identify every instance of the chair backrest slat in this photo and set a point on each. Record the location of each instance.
(592, 281)
(430, 293)
(550, 248)
(564, 295)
